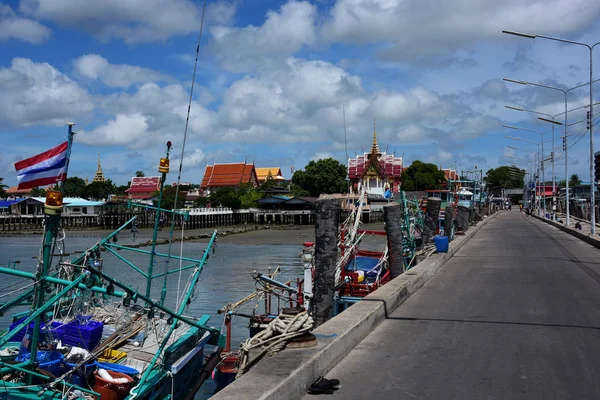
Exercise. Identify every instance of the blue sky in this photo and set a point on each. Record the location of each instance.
(273, 77)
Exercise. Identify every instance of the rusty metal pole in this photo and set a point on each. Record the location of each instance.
(327, 210)
(392, 215)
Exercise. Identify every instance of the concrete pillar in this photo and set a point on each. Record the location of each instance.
(432, 216)
(327, 211)
(392, 215)
(462, 219)
(449, 222)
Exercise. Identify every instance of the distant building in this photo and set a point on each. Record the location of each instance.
(271, 172)
(14, 193)
(376, 171)
(99, 177)
(228, 175)
(143, 187)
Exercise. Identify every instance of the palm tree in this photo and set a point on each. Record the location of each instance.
(2, 187)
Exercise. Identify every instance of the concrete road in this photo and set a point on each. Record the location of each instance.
(514, 315)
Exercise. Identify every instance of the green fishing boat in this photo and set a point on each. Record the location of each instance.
(86, 334)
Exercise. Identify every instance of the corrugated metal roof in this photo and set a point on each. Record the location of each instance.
(8, 203)
(74, 202)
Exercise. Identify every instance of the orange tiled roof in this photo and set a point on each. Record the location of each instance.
(14, 190)
(219, 175)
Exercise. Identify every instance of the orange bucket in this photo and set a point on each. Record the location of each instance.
(110, 390)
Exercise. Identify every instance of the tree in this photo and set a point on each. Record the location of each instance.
(201, 201)
(139, 174)
(37, 192)
(168, 199)
(422, 176)
(248, 195)
(98, 190)
(505, 176)
(322, 176)
(73, 187)
(226, 197)
(574, 180)
(3, 193)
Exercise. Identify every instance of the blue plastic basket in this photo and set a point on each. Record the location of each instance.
(50, 361)
(80, 377)
(86, 335)
(118, 368)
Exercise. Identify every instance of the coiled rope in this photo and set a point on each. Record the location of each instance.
(274, 338)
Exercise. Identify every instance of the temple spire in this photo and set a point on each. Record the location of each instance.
(375, 146)
(99, 177)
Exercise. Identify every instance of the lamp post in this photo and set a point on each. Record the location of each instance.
(541, 159)
(551, 155)
(536, 175)
(531, 173)
(592, 185)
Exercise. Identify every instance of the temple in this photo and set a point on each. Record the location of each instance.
(228, 175)
(376, 171)
(99, 177)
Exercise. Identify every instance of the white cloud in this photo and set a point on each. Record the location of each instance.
(412, 29)
(193, 158)
(16, 27)
(322, 156)
(283, 33)
(134, 21)
(37, 93)
(122, 130)
(152, 114)
(95, 67)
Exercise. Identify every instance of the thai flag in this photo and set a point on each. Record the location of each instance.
(43, 169)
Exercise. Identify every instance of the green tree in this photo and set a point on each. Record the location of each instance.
(422, 176)
(168, 199)
(98, 190)
(139, 174)
(37, 192)
(201, 201)
(249, 195)
(505, 176)
(2, 189)
(226, 197)
(574, 180)
(121, 190)
(73, 187)
(322, 176)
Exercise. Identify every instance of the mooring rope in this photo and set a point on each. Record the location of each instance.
(274, 337)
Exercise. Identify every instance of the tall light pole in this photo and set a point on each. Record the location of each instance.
(541, 159)
(592, 183)
(551, 155)
(531, 173)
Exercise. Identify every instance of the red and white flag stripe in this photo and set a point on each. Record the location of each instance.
(43, 169)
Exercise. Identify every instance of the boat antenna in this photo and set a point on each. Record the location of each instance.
(187, 121)
(346, 145)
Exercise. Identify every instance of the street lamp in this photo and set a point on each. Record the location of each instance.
(532, 174)
(541, 158)
(592, 185)
(551, 155)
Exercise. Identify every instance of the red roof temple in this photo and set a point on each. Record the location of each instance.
(375, 171)
(143, 187)
(224, 175)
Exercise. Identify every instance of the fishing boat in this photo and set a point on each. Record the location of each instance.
(86, 334)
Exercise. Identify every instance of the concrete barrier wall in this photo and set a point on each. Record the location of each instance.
(288, 374)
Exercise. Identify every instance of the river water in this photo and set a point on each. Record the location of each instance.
(226, 278)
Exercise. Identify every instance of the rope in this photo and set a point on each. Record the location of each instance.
(274, 337)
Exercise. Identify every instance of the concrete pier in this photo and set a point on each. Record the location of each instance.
(327, 211)
(392, 216)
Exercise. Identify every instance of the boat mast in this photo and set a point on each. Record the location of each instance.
(163, 169)
(52, 211)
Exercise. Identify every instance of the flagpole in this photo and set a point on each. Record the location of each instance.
(69, 146)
